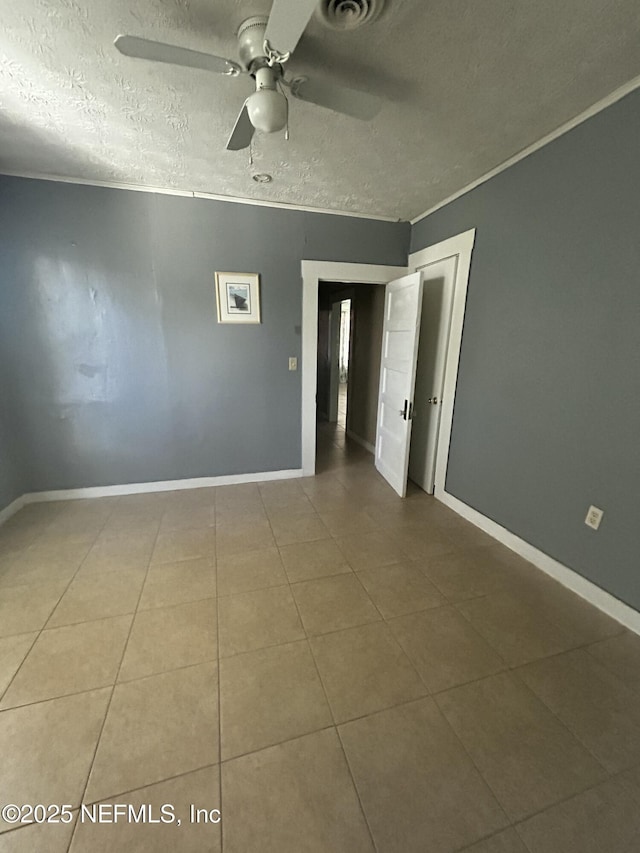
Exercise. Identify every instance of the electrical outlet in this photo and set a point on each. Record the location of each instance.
(293, 363)
(594, 517)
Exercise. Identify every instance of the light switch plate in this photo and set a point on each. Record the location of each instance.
(594, 517)
(293, 363)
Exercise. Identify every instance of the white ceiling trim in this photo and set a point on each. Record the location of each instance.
(600, 105)
(192, 194)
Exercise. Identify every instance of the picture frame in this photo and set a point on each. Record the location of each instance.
(238, 297)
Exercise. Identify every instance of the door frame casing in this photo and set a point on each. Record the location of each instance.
(315, 271)
(312, 273)
(460, 246)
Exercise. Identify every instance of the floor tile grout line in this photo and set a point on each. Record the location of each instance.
(473, 762)
(13, 677)
(48, 627)
(519, 835)
(180, 668)
(468, 848)
(176, 604)
(162, 564)
(293, 598)
(128, 613)
(611, 671)
(572, 796)
(55, 607)
(151, 784)
(514, 823)
(335, 727)
(513, 666)
(108, 686)
(331, 574)
(113, 689)
(261, 648)
(393, 637)
(355, 788)
(562, 723)
(232, 758)
(86, 621)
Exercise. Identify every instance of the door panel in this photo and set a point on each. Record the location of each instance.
(403, 307)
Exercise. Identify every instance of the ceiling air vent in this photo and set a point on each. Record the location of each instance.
(349, 14)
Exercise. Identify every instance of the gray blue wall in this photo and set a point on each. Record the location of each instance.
(13, 481)
(547, 414)
(116, 368)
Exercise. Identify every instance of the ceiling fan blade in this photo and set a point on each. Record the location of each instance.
(340, 99)
(242, 132)
(287, 21)
(159, 52)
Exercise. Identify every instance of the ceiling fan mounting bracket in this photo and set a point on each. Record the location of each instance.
(262, 62)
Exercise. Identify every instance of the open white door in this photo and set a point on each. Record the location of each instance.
(400, 337)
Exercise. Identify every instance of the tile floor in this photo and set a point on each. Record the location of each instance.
(335, 669)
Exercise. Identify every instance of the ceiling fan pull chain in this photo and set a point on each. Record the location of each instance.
(274, 57)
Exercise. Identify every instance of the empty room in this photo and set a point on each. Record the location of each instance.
(319, 426)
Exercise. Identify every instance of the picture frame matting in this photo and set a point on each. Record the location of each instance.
(238, 297)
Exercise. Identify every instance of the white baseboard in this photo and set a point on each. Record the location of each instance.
(12, 509)
(570, 579)
(360, 441)
(144, 488)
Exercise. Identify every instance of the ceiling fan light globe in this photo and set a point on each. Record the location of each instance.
(267, 110)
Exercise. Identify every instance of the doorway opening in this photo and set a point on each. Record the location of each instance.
(313, 272)
(350, 318)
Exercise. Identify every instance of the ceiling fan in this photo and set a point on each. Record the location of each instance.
(264, 46)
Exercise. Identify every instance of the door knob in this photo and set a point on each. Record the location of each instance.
(433, 401)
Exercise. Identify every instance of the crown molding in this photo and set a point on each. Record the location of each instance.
(593, 110)
(115, 185)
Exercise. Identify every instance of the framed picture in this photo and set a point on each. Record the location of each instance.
(238, 297)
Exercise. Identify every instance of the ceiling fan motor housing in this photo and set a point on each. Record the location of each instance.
(251, 41)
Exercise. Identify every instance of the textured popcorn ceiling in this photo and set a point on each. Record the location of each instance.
(466, 85)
